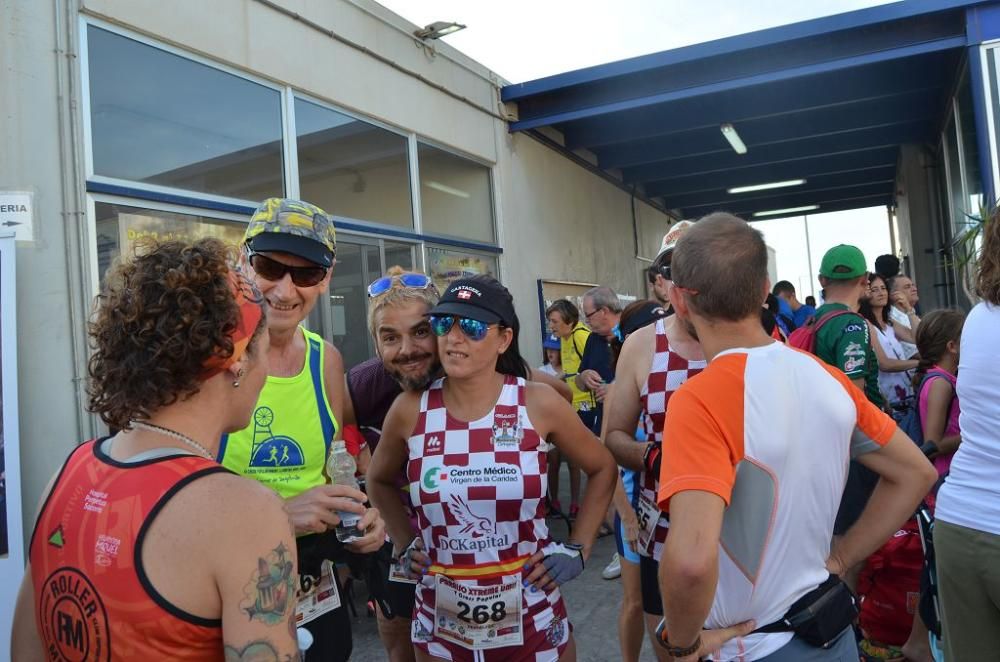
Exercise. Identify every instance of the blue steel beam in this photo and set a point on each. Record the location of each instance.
(820, 131)
(884, 175)
(881, 81)
(743, 64)
(753, 40)
(878, 201)
(682, 181)
(793, 73)
(856, 197)
(780, 152)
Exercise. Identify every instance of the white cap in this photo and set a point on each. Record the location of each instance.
(673, 235)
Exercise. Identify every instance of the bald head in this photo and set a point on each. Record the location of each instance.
(721, 265)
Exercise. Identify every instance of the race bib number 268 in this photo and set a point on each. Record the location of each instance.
(476, 616)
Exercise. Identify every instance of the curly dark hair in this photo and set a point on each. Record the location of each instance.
(161, 316)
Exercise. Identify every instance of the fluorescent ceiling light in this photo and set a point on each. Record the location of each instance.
(764, 187)
(438, 186)
(438, 29)
(790, 210)
(729, 131)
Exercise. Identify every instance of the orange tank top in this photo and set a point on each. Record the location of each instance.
(93, 601)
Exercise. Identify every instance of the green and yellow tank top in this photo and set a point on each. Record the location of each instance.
(571, 353)
(287, 442)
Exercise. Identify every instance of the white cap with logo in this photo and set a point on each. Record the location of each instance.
(671, 238)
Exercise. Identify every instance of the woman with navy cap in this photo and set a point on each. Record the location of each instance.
(474, 449)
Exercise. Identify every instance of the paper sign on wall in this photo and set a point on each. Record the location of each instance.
(17, 214)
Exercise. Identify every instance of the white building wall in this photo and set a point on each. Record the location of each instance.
(555, 219)
(562, 222)
(36, 152)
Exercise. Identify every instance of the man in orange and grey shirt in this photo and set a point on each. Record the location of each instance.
(752, 500)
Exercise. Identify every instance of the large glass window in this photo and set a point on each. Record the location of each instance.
(159, 118)
(455, 196)
(352, 168)
(120, 227)
(956, 191)
(970, 150)
(343, 317)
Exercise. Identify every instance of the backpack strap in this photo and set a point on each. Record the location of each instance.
(573, 343)
(819, 322)
(938, 373)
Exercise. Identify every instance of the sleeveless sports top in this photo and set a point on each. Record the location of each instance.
(666, 374)
(92, 597)
(478, 487)
(288, 439)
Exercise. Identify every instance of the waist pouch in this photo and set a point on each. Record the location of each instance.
(819, 616)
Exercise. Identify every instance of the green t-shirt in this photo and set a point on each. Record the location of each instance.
(845, 343)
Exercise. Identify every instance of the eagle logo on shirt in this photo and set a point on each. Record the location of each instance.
(472, 523)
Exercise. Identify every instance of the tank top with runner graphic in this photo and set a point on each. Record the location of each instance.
(92, 596)
(666, 374)
(288, 439)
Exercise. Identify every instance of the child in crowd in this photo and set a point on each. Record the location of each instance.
(938, 338)
(553, 356)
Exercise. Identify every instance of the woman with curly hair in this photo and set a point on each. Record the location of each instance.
(967, 528)
(145, 547)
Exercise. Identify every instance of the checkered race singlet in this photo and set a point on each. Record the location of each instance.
(478, 490)
(666, 374)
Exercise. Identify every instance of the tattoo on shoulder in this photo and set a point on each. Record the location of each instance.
(258, 651)
(271, 590)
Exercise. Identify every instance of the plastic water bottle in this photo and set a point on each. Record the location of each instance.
(340, 467)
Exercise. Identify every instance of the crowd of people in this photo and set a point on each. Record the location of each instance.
(760, 461)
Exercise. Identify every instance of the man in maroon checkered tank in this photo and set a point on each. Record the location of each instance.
(653, 364)
(473, 447)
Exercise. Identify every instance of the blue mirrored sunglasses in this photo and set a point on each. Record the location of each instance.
(412, 281)
(441, 326)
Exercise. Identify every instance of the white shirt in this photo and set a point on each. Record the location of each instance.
(547, 368)
(970, 496)
(899, 317)
(781, 477)
(895, 386)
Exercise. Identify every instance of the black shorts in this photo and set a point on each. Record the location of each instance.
(332, 631)
(648, 571)
(394, 598)
(861, 483)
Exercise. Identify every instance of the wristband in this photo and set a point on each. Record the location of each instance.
(651, 458)
(675, 651)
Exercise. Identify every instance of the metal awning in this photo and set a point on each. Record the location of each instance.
(829, 101)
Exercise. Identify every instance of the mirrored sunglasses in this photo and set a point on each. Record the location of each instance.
(412, 281)
(273, 270)
(441, 326)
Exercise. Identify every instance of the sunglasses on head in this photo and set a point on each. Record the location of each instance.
(411, 281)
(658, 270)
(273, 270)
(441, 326)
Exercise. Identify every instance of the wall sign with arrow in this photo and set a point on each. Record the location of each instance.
(17, 214)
